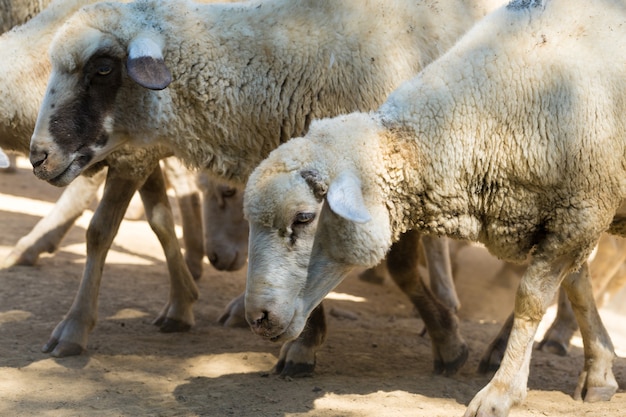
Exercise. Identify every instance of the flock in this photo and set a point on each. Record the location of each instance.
(347, 141)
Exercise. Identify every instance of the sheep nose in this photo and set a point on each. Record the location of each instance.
(260, 323)
(37, 157)
(225, 262)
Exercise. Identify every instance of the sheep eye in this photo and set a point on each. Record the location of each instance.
(303, 218)
(228, 191)
(104, 69)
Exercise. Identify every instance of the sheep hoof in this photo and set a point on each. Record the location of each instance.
(492, 358)
(553, 346)
(294, 370)
(451, 368)
(595, 394)
(486, 365)
(234, 315)
(59, 349)
(172, 326)
(16, 258)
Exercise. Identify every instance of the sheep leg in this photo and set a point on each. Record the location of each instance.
(596, 382)
(177, 315)
(70, 335)
(297, 357)
(440, 270)
(49, 231)
(534, 294)
(234, 315)
(558, 336)
(449, 349)
(376, 274)
(188, 197)
(492, 357)
(556, 339)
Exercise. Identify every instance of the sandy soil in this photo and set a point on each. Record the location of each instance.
(374, 362)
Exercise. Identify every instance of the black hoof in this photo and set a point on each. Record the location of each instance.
(294, 370)
(554, 347)
(451, 368)
(62, 349)
(173, 326)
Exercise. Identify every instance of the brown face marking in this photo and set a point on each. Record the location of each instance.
(78, 124)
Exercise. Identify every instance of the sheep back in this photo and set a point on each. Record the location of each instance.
(249, 76)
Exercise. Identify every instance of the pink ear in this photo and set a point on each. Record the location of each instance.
(145, 64)
(345, 198)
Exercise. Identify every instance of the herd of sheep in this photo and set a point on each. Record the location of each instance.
(353, 136)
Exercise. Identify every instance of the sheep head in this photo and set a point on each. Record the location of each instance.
(92, 72)
(311, 222)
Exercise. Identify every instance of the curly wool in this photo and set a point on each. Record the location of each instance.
(515, 138)
(17, 12)
(249, 76)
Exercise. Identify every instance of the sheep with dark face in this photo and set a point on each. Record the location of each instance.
(538, 177)
(24, 69)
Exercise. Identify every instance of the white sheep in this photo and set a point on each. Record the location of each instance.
(24, 69)
(514, 138)
(240, 78)
(225, 229)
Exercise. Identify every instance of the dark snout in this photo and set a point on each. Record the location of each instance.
(57, 168)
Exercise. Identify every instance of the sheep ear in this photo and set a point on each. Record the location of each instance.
(316, 182)
(345, 198)
(145, 64)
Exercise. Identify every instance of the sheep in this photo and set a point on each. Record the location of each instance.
(225, 229)
(514, 138)
(24, 72)
(222, 85)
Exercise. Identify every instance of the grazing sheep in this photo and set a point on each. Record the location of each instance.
(225, 229)
(240, 78)
(24, 68)
(515, 138)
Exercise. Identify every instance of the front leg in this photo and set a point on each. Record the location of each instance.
(449, 349)
(50, 231)
(177, 315)
(297, 357)
(71, 334)
(508, 386)
(189, 204)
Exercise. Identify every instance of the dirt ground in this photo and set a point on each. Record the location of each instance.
(374, 362)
